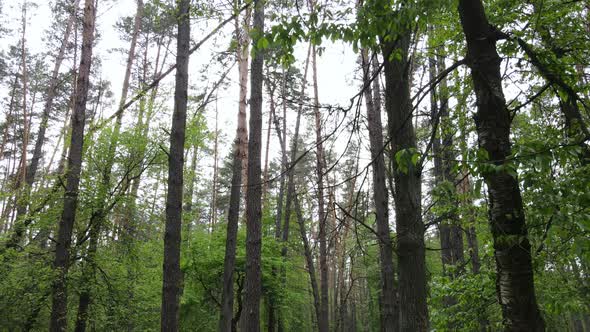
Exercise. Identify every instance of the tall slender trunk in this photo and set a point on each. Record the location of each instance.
(253, 280)
(266, 154)
(512, 250)
(388, 301)
(213, 219)
(143, 126)
(10, 119)
(239, 154)
(66, 224)
(171, 287)
(49, 97)
(290, 178)
(243, 37)
(450, 234)
(308, 258)
(273, 314)
(408, 180)
(341, 257)
(25, 80)
(130, 218)
(188, 205)
(324, 303)
(455, 255)
(101, 213)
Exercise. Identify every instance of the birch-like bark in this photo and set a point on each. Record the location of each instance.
(512, 250)
(239, 154)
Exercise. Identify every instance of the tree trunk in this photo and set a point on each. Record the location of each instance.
(213, 219)
(273, 314)
(66, 224)
(239, 154)
(253, 280)
(101, 213)
(407, 198)
(172, 275)
(324, 300)
(26, 123)
(308, 258)
(290, 168)
(243, 38)
(388, 307)
(512, 250)
(451, 234)
(266, 153)
(49, 98)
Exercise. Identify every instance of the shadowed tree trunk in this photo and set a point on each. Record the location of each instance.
(388, 308)
(273, 314)
(408, 180)
(512, 250)
(322, 218)
(308, 257)
(66, 224)
(99, 216)
(290, 180)
(253, 280)
(171, 287)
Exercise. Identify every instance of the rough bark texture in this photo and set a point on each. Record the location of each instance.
(172, 275)
(66, 224)
(408, 211)
(388, 310)
(240, 146)
(100, 215)
(243, 37)
(253, 280)
(514, 280)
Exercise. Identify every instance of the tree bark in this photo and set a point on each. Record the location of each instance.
(407, 198)
(324, 301)
(512, 250)
(308, 258)
(101, 213)
(388, 302)
(171, 287)
(26, 123)
(66, 224)
(29, 175)
(50, 96)
(253, 280)
(213, 219)
(273, 314)
(239, 154)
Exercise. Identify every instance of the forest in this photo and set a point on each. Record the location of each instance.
(295, 165)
